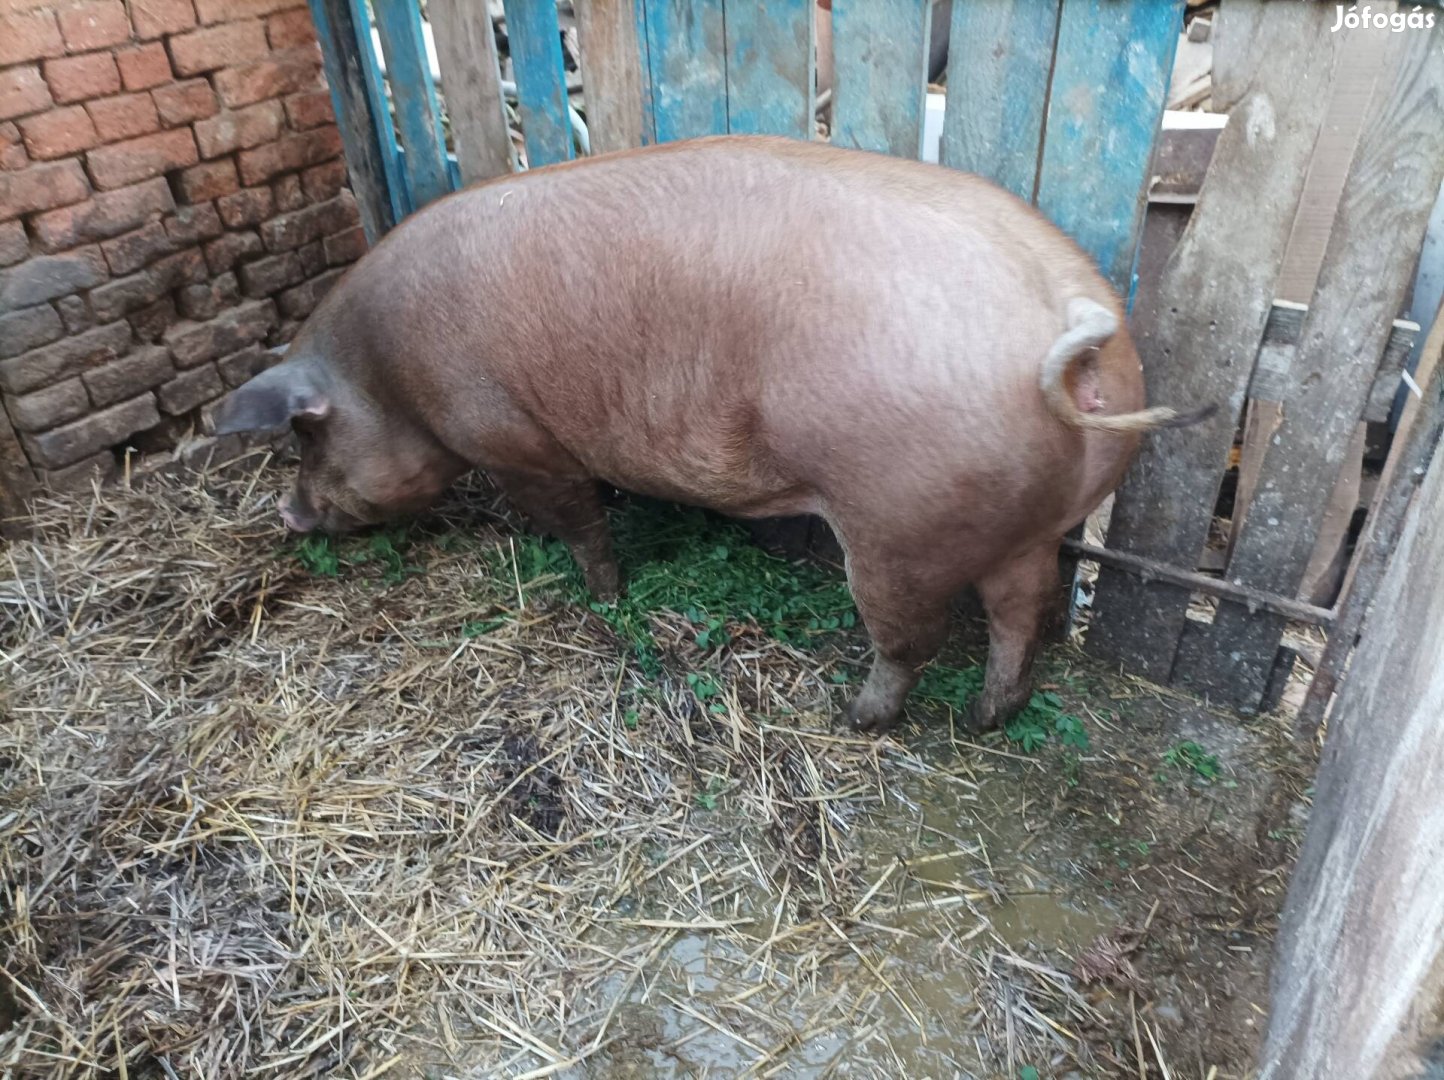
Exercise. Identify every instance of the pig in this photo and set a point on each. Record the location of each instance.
(760, 326)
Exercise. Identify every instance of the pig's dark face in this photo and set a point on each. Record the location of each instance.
(358, 466)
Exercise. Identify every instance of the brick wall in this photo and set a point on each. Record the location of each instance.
(172, 203)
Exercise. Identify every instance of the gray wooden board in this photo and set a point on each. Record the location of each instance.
(611, 73)
(471, 83)
(1385, 207)
(1199, 327)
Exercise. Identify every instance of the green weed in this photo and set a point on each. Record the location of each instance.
(1188, 756)
(327, 556)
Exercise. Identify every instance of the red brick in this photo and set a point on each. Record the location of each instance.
(49, 407)
(69, 356)
(238, 130)
(128, 253)
(250, 206)
(218, 10)
(184, 102)
(144, 67)
(193, 224)
(218, 47)
(29, 328)
(242, 367)
(98, 468)
(266, 276)
(129, 376)
(29, 35)
(299, 302)
(313, 258)
(290, 28)
(195, 343)
(41, 187)
(76, 314)
(190, 389)
(288, 154)
(153, 18)
(96, 24)
(98, 431)
(204, 302)
(223, 254)
(280, 73)
(310, 109)
(124, 295)
(46, 277)
(123, 116)
(289, 231)
(58, 133)
(288, 193)
(108, 214)
(76, 78)
(12, 149)
(139, 159)
(208, 181)
(22, 91)
(14, 244)
(324, 181)
(152, 321)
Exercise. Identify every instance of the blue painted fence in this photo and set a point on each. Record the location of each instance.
(1057, 100)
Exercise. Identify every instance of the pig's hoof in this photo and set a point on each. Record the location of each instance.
(871, 717)
(604, 583)
(985, 715)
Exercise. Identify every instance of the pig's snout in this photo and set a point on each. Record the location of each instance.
(297, 517)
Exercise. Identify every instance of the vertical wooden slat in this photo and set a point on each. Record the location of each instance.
(880, 55)
(359, 102)
(1389, 192)
(687, 52)
(999, 57)
(770, 67)
(398, 23)
(471, 82)
(1198, 328)
(1110, 81)
(541, 80)
(611, 72)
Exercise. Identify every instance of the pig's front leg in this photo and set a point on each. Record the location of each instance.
(571, 511)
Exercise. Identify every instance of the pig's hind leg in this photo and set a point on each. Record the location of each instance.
(1018, 596)
(571, 510)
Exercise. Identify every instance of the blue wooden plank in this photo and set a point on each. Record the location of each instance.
(880, 50)
(686, 53)
(999, 56)
(541, 80)
(360, 106)
(1110, 81)
(398, 24)
(649, 118)
(770, 67)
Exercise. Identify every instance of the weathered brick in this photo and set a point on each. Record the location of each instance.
(28, 328)
(242, 367)
(205, 301)
(195, 343)
(324, 181)
(58, 133)
(209, 180)
(14, 7)
(265, 276)
(345, 247)
(47, 276)
(41, 187)
(310, 109)
(95, 24)
(193, 224)
(142, 247)
(288, 231)
(12, 147)
(285, 332)
(218, 47)
(280, 73)
(185, 102)
(239, 129)
(124, 116)
(29, 35)
(223, 254)
(144, 66)
(217, 10)
(109, 213)
(75, 313)
(97, 467)
(75, 78)
(249, 206)
(299, 302)
(190, 389)
(22, 91)
(124, 295)
(152, 18)
(288, 154)
(313, 258)
(14, 244)
(49, 407)
(290, 28)
(152, 321)
(68, 356)
(144, 369)
(139, 159)
(81, 438)
(288, 193)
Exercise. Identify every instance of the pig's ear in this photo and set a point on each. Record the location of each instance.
(272, 399)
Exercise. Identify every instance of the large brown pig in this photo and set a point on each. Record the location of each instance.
(755, 325)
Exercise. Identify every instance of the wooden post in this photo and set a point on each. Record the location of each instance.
(1358, 973)
(613, 70)
(466, 52)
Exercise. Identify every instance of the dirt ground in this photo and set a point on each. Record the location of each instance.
(409, 806)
